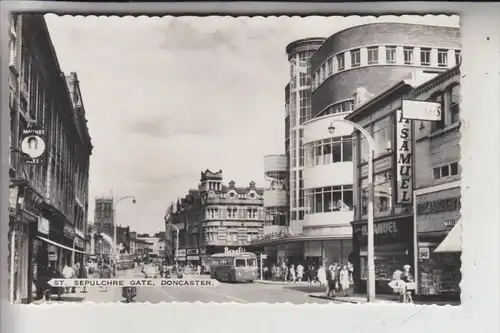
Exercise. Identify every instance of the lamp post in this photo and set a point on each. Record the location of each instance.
(115, 248)
(370, 247)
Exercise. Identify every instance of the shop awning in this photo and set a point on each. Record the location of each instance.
(452, 242)
(59, 245)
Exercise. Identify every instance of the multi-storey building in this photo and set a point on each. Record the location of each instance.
(345, 71)
(48, 208)
(411, 217)
(217, 218)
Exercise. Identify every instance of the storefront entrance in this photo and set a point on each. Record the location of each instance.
(393, 245)
(438, 270)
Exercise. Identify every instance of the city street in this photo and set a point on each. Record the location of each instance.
(224, 292)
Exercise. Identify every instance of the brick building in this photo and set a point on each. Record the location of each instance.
(49, 193)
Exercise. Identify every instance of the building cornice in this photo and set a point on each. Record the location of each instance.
(434, 82)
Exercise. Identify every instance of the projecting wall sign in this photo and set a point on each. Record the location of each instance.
(33, 144)
(404, 159)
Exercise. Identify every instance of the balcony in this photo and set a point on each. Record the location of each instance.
(275, 198)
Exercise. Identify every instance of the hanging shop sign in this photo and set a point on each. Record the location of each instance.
(404, 159)
(181, 253)
(422, 110)
(79, 242)
(33, 144)
(79, 233)
(43, 226)
(69, 230)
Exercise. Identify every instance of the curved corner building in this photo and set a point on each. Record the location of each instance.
(342, 72)
(276, 195)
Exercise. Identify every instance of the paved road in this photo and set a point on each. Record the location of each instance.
(227, 292)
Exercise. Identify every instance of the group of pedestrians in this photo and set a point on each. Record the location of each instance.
(45, 291)
(336, 278)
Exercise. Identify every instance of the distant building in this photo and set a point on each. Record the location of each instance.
(217, 218)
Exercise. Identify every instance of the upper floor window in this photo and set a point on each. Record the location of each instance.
(443, 58)
(252, 213)
(212, 213)
(340, 62)
(455, 104)
(408, 55)
(390, 54)
(373, 55)
(458, 57)
(327, 68)
(444, 171)
(355, 58)
(437, 125)
(321, 75)
(382, 203)
(231, 213)
(329, 151)
(329, 199)
(330, 66)
(425, 57)
(383, 131)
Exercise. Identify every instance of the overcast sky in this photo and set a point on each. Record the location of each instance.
(169, 97)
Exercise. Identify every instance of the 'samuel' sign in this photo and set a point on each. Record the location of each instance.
(404, 159)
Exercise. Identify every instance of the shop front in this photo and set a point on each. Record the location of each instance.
(79, 249)
(393, 248)
(23, 217)
(327, 252)
(438, 246)
(68, 256)
(193, 256)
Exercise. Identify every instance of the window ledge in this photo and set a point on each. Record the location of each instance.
(441, 132)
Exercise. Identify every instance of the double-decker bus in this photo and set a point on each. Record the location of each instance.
(125, 261)
(234, 267)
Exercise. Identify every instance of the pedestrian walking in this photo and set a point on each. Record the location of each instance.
(293, 276)
(350, 268)
(68, 273)
(330, 281)
(76, 273)
(322, 276)
(84, 274)
(300, 272)
(274, 273)
(344, 280)
(105, 274)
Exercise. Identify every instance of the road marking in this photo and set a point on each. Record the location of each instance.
(227, 296)
(172, 298)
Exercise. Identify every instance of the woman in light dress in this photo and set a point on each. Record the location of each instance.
(293, 277)
(322, 276)
(344, 279)
(300, 272)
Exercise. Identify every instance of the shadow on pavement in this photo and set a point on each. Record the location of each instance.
(306, 289)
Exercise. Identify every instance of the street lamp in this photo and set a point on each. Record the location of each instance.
(370, 247)
(115, 248)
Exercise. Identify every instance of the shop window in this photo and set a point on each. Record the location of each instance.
(408, 55)
(373, 55)
(443, 58)
(390, 54)
(355, 58)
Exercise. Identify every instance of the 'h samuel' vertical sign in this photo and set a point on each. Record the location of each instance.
(404, 159)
